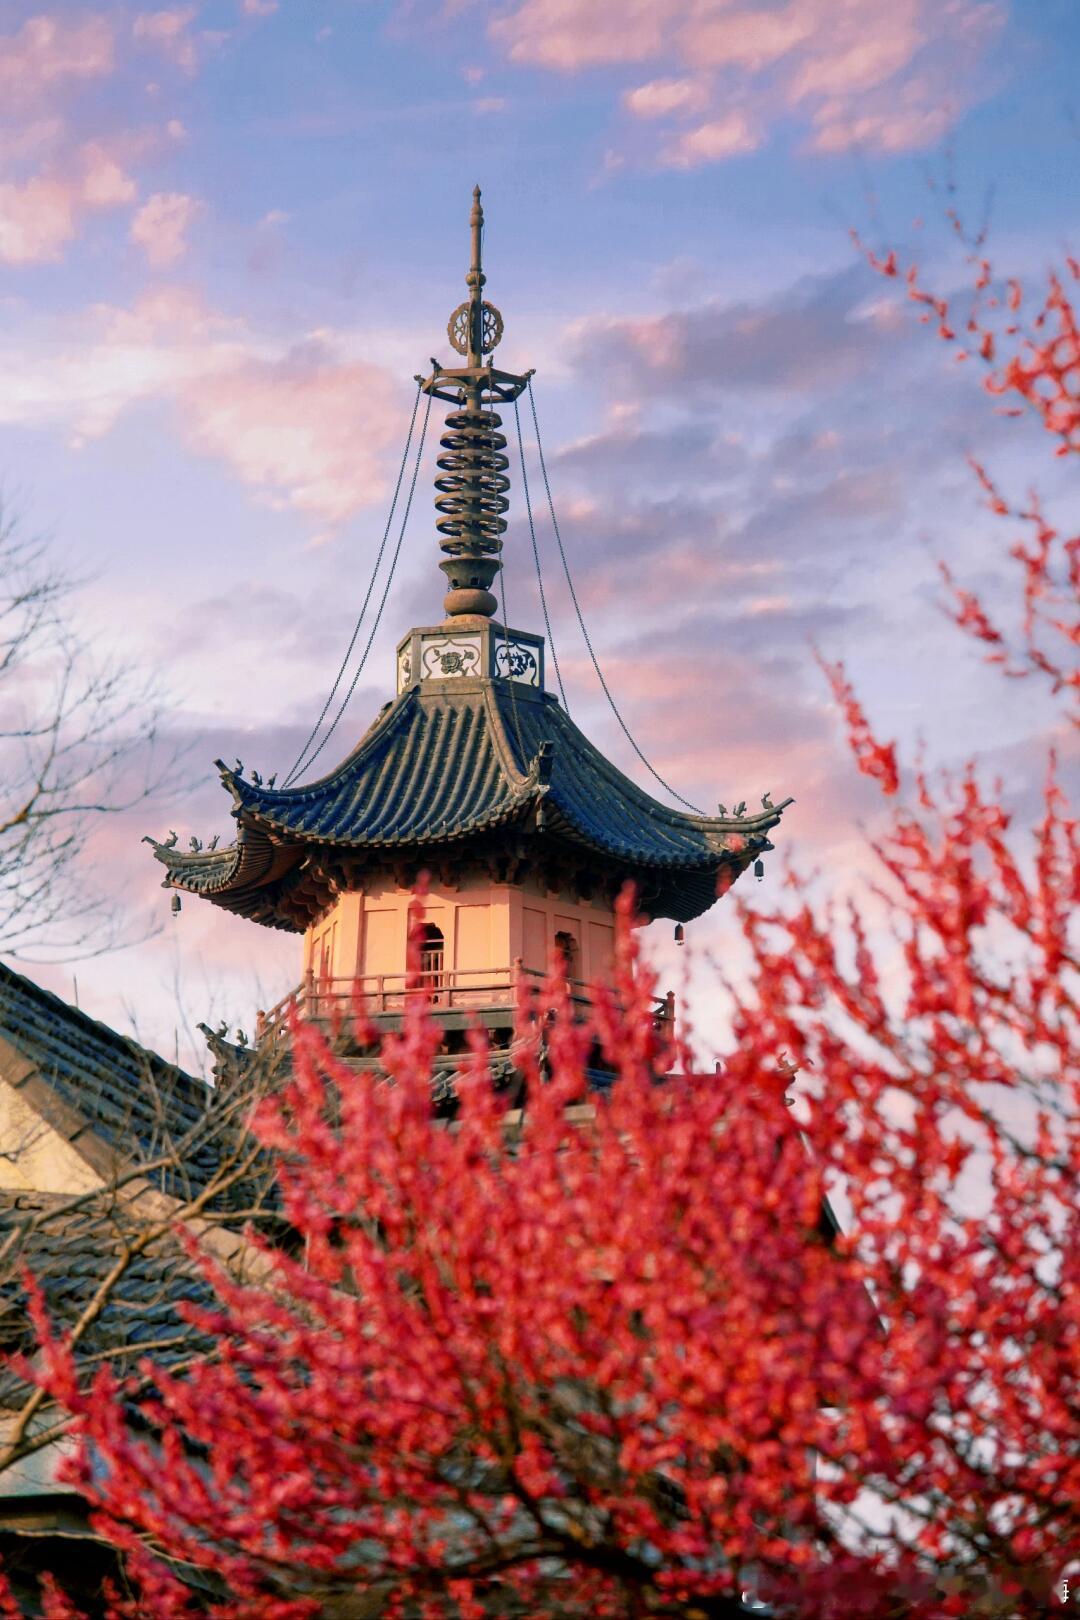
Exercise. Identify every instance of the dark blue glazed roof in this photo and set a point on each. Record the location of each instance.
(432, 767)
(448, 762)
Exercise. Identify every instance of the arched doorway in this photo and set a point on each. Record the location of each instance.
(566, 949)
(432, 957)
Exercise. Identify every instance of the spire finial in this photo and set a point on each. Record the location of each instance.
(472, 484)
(475, 282)
(476, 327)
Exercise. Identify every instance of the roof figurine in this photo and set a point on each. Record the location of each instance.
(474, 762)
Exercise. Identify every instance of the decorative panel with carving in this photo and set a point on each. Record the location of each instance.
(443, 657)
(404, 667)
(518, 660)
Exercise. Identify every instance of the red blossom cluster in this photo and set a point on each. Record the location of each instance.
(609, 1354)
(1033, 365)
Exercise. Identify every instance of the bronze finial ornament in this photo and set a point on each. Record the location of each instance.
(472, 484)
(475, 328)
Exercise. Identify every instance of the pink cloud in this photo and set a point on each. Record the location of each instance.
(160, 227)
(916, 117)
(168, 32)
(40, 216)
(662, 97)
(30, 141)
(104, 182)
(301, 429)
(778, 737)
(165, 316)
(720, 36)
(816, 334)
(307, 429)
(873, 73)
(572, 34)
(37, 220)
(855, 64)
(46, 51)
(709, 143)
(259, 8)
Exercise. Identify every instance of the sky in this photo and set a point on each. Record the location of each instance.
(231, 232)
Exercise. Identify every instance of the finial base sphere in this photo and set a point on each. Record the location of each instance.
(469, 599)
(469, 577)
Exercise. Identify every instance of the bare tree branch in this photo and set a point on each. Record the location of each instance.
(110, 1262)
(78, 742)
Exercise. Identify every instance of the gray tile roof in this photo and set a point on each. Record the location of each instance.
(435, 767)
(70, 1249)
(133, 1100)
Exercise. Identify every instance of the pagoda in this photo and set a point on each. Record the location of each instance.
(474, 774)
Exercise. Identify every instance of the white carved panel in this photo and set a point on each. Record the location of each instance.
(444, 657)
(518, 660)
(404, 667)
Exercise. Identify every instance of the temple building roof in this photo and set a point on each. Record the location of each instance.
(450, 761)
(67, 1247)
(124, 1097)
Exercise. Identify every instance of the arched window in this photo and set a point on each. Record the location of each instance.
(566, 947)
(432, 953)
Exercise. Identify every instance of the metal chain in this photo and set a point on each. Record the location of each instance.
(581, 621)
(510, 673)
(536, 557)
(386, 588)
(367, 598)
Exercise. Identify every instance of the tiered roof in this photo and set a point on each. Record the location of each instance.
(458, 767)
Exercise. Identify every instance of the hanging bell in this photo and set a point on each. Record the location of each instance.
(176, 905)
(680, 933)
(759, 870)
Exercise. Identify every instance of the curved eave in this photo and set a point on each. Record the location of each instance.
(425, 772)
(597, 805)
(435, 834)
(199, 874)
(248, 864)
(739, 850)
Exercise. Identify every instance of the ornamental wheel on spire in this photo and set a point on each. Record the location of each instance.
(474, 773)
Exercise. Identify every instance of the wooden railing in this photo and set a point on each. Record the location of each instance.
(453, 989)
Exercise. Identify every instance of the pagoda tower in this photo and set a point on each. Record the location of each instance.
(474, 774)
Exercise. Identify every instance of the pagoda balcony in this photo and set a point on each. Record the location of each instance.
(458, 998)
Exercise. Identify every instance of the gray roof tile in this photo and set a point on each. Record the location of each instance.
(131, 1098)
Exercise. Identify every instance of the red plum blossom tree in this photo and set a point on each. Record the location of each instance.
(607, 1354)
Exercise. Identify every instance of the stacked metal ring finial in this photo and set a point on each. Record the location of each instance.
(472, 484)
(472, 502)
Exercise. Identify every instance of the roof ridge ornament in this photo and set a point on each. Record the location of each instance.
(472, 482)
(542, 764)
